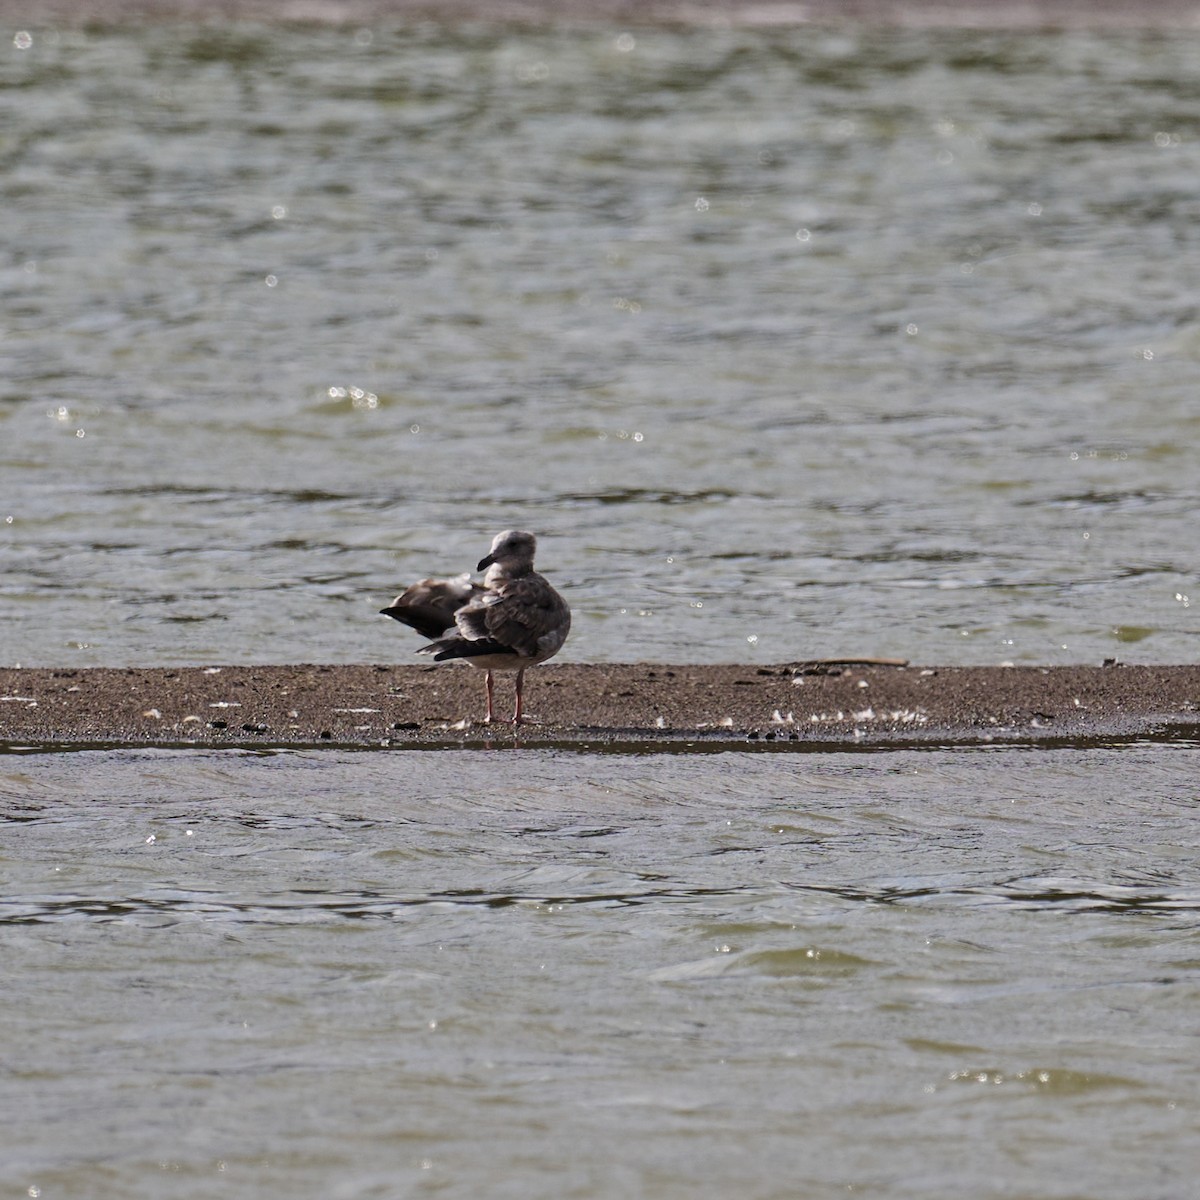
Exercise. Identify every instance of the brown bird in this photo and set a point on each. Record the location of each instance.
(511, 621)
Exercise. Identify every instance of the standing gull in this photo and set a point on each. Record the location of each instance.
(513, 620)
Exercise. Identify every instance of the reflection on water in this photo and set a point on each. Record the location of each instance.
(315, 974)
(789, 342)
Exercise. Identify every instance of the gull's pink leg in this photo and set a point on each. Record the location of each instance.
(517, 710)
(487, 683)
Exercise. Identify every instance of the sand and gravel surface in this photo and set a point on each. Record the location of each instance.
(794, 704)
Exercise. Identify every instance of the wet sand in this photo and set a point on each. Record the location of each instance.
(621, 706)
(954, 14)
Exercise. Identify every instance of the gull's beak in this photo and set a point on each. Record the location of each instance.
(484, 563)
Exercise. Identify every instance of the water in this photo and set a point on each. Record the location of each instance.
(788, 342)
(912, 974)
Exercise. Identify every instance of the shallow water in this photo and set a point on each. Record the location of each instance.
(926, 974)
(788, 342)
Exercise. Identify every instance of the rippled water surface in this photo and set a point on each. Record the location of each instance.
(907, 974)
(788, 342)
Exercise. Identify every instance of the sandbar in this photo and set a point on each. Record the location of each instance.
(813, 705)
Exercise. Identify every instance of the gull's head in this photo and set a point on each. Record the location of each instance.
(512, 548)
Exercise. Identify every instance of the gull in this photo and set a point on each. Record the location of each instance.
(512, 620)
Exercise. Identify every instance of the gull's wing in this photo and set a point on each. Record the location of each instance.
(526, 616)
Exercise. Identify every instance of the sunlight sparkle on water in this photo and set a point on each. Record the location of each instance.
(363, 399)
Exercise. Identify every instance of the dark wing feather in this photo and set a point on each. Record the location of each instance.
(461, 647)
(519, 614)
(430, 606)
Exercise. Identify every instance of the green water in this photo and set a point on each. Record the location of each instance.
(908, 974)
(788, 342)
